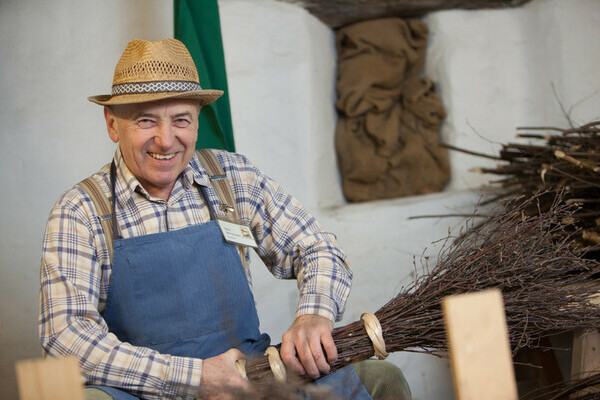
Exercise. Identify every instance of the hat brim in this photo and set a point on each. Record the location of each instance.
(204, 96)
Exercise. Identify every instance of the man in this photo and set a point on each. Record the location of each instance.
(165, 310)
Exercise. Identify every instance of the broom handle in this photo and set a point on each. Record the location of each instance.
(272, 358)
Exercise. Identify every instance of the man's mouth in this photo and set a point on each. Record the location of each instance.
(161, 156)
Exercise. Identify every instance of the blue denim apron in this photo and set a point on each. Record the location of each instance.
(185, 293)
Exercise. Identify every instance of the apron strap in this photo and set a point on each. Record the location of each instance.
(220, 183)
(103, 210)
(219, 180)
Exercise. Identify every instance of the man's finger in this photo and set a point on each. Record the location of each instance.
(330, 348)
(308, 361)
(318, 355)
(288, 355)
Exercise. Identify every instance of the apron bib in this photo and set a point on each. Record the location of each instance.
(182, 293)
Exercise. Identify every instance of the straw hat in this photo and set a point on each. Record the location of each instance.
(150, 71)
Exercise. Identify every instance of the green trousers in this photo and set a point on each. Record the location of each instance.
(383, 380)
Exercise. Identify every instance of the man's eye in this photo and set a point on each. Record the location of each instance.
(182, 123)
(145, 123)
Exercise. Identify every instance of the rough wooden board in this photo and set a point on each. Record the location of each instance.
(586, 357)
(49, 379)
(337, 13)
(479, 349)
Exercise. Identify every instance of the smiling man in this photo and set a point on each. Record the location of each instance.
(157, 140)
(157, 303)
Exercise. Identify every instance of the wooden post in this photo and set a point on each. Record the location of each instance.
(49, 379)
(586, 354)
(585, 357)
(479, 348)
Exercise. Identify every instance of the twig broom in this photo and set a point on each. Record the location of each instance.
(531, 257)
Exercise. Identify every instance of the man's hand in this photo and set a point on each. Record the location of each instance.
(220, 379)
(302, 346)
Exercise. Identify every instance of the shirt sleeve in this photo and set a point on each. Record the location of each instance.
(72, 295)
(291, 243)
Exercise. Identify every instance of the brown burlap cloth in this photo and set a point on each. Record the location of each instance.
(389, 115)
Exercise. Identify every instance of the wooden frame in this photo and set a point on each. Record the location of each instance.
(337, 13)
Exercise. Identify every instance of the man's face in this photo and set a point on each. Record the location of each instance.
(157, 140)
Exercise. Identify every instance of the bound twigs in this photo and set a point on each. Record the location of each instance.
(529, 255)
(568, 161)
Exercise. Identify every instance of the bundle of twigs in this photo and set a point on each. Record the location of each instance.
(529, 256)
(555, 159)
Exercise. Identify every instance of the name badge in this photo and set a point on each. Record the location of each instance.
(237, 233)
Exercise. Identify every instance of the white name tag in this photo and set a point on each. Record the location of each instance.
(237, 233)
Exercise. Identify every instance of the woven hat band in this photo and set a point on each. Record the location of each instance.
(155, 87)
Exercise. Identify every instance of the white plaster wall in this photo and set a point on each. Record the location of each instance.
(494, 70)
(282, 78)
(53, 54)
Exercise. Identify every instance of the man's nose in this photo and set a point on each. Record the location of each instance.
(165, 136)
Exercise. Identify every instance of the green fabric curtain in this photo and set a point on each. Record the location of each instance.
(198, 26)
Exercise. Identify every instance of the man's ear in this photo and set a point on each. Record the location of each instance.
(111, 124)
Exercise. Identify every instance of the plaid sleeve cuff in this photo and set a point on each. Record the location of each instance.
(183, 378)
(317, 304)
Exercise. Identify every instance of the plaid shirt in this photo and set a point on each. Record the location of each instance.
(75, 271)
